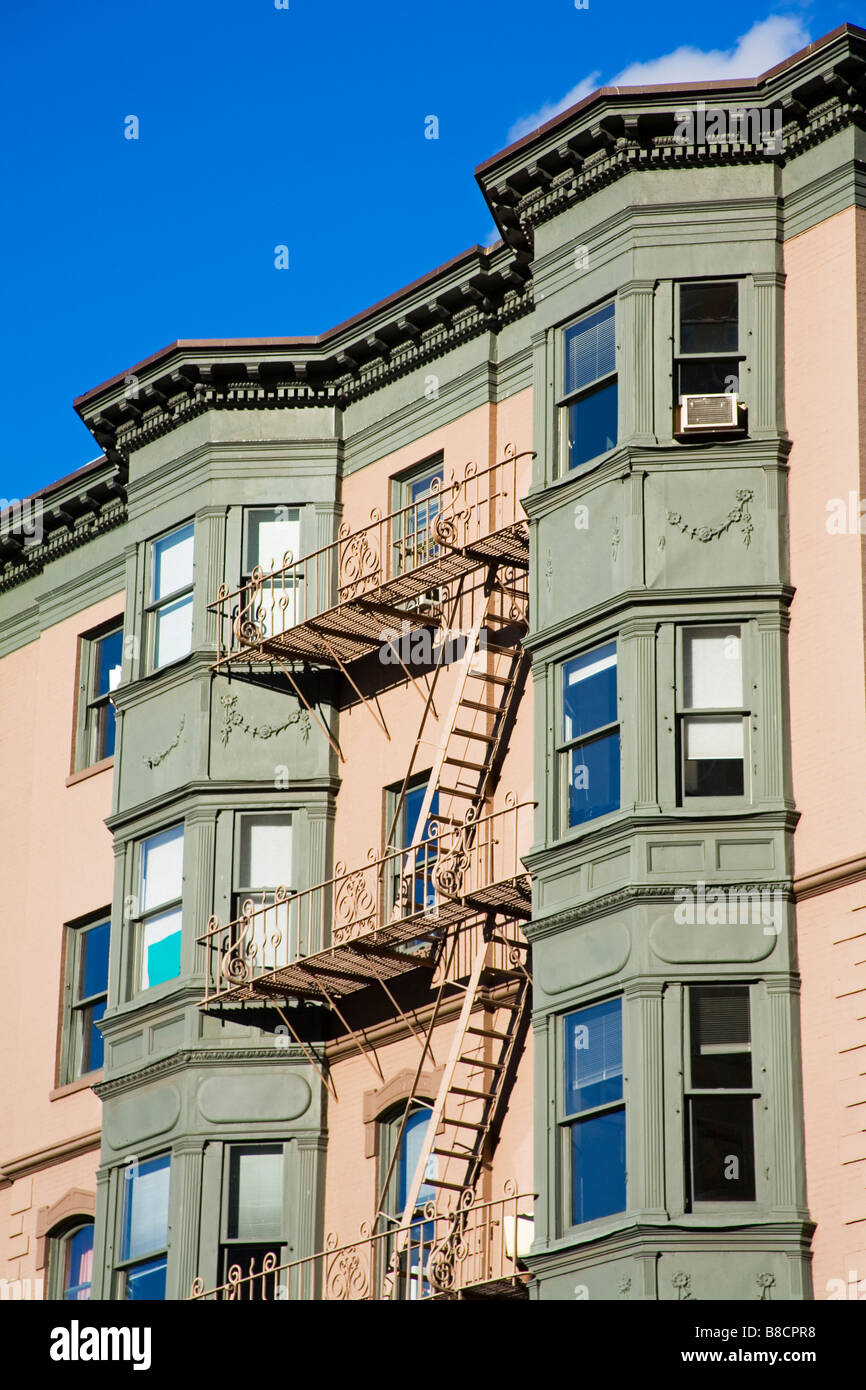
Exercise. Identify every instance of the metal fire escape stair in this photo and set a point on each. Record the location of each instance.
(472, 1098)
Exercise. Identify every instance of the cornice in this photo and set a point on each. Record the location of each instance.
(617, 131)
(201, 1057)
(66, 527)
(483, 296)
(633, 895)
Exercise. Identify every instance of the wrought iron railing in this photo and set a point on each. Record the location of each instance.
(479, 1244)
(478, 504)
(456, 866)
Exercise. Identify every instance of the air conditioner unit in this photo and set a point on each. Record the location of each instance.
(715, 414)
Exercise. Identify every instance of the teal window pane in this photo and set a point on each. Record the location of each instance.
(108, 663)
(410, 1151)
(161, 950)
(94, 1043)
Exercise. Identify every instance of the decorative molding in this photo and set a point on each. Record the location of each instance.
(737, 516)
(158, 758)
(14, 1168)
(376, 1103)
(75, 1202)
(235, 720)
(637, 893)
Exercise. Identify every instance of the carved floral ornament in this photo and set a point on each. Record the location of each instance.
(737, 516)
(233, 720)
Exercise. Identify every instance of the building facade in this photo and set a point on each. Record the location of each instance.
(441, 879)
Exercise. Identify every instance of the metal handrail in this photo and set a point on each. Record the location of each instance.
(470, 507)
(442, 1255)
(453, 863)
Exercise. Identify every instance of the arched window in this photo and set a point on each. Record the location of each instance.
(64, 1243)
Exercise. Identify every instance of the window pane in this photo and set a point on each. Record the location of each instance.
(721, 1038)
(172, 562)
(593, 1056)
(593, 779)
(590, 349)
(106, 729)
(109, 656)
(265, 852)
(173, 632)
(598, 1166)
(93, 1043)
(410, 1152)
(709, 377)
(713, 668)
(723, 1160)
(161, 954)
(249, 1258)
(94, 960)
(256, 1194)
(708, 317)
(592, 425)
(276, 610)
(78, 1264)
(271, 532)
(145, 1208)
(589, 692)
(146, 1282)
(713, 756)
(162, 868)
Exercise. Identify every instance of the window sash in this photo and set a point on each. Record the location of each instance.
(255, 1213)
(589, 349)
(182, 542)
(145, 1210)
(708, 353)
(286, 536)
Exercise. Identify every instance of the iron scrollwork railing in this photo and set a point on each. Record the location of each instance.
(472, 505)
(442, 1255)
(452, 865)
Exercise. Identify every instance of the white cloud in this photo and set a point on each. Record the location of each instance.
(553, 108)
(768, 42)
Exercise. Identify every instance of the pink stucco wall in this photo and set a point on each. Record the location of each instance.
(825, 404)
(57, 865)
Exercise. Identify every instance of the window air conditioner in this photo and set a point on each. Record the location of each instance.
(713, 414)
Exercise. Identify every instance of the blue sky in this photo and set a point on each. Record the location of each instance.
(261, 127)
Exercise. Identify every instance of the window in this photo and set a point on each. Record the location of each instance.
(720, 1099)
(100, 669)
(712, 742)
(70, 1267)
(85, 999)
(594, 1114)
(420, 501)
(270, 534)
(419, 1244)
(420, 889)
(589, 755)
(707, 341)
(144, 1231)
(253, 1216)
(589, 403)
(171, 566)
(263, 863)
(160, 893)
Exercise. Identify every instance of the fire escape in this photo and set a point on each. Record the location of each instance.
(450, 900)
